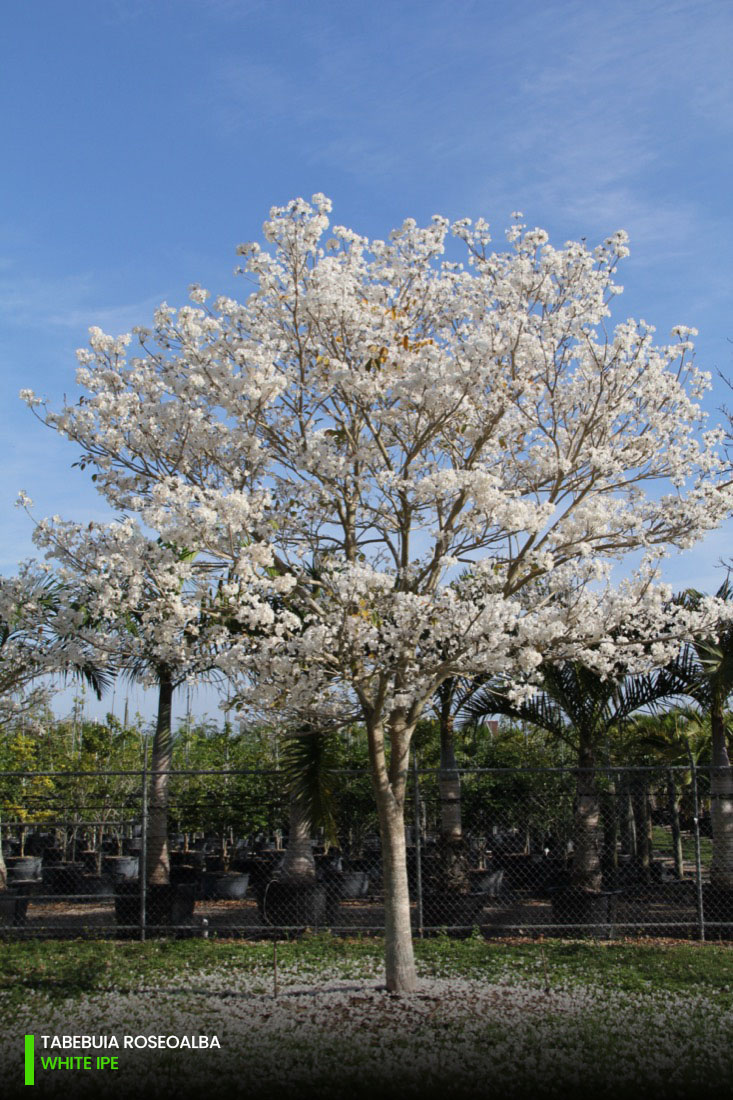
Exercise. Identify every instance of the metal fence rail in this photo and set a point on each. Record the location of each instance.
(508, 851)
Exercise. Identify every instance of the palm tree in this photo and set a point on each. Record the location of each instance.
(447, 866)
(293, 896)
(36, 640)
(449, 701)
(705, 667)
(309, 764)
(578, 706)
(152, 612)
(309, 761)
(678, 737)
(142, 662)
(157, 861)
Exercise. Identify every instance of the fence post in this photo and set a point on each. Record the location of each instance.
(143, 862)
(418, 841)
(698, 861)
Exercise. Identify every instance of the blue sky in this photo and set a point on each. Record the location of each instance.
(144, 139)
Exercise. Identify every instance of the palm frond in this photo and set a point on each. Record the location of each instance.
(309, 763)
(99, 678)
(573, 697)
(707, 662)
(492, 700)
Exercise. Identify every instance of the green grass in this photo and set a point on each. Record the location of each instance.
(662, 842)
(629, 1017)
(73, 968)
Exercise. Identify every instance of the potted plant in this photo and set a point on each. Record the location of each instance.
(295, 897)
(580, 707)
(447, 898)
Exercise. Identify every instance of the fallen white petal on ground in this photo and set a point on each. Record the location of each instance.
(337, 1026)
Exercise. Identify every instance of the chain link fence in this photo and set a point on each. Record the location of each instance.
(508, 851)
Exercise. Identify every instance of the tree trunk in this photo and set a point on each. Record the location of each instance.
(628, 825)
(156, 855)
(451, 827)
(609, 817)
(640, 798)
(586, 873)
(3, 868)
(674, 817)
(399, 960)
(298, 862)
(389, 786)
(721, 796)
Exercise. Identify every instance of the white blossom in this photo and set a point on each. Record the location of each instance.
(414, 467)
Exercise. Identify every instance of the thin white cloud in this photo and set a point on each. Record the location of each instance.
(65, 302)
(562, 102)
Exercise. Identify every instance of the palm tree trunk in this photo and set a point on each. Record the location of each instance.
(451, 826)
(642, 817)
(298, 863)
(609, 817)
(628, 825)
(3, 868)
(156, 855)
(721, 792)
(586, 873)
(674, 816)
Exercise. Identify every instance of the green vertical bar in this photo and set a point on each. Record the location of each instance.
(30, 1064)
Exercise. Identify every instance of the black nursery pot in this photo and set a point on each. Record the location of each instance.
(232, 886)
(449, 908)
(185, 873)
(345, 884)
(215, 863)
(166, 904)
(226, 886)
(121, 867)
(64, 878)
(590, 911)
(354, 884)
(24, 868)
(170, 904)
(286, 904)
(718, 909)
(13, 908)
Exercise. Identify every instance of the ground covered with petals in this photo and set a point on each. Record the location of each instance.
(530, 1020)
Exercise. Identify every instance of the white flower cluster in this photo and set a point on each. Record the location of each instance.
(400, 465)
(137, 603)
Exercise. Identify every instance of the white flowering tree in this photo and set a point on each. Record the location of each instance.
(463, 449)
(151, 614)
